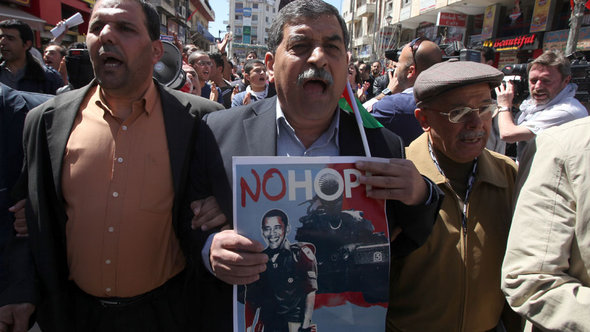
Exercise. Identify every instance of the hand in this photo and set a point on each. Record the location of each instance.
(505, 94)
(214, 93)
(235, 91)
(396, 180)
(247, 99)
(393, 84)
(59, 38)
(236, 259)
(221, 46)
(177, 41)
(15, 317)
(207, 214)
(20, 220)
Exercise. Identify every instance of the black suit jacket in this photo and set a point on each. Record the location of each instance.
(47, 129)
(251, 131)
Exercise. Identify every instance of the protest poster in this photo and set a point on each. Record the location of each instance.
(327, 243)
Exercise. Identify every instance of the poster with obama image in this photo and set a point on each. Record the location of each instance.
(327, 245)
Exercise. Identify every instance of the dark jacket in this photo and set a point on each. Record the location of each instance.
(14, 106)
(39, 78)
(251, 130)
(43, 277)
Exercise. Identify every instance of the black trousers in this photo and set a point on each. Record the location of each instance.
(164, 309)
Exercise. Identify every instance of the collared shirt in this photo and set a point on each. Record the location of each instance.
(288, 144)
(9, 78)
(118, 190)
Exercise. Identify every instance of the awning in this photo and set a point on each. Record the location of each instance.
(34, 22)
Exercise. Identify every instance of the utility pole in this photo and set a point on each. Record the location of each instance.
(575, 24)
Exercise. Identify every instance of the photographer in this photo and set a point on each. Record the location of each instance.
(551, 103)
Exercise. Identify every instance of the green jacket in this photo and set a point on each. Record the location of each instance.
(452, 282)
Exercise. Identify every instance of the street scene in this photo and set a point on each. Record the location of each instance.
(294, 165)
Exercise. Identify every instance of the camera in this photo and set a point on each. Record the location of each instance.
(79, 67)
(517, 75)
(580, 68)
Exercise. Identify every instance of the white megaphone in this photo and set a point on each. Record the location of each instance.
(168, 70)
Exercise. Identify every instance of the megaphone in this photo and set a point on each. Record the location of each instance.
(168, 70)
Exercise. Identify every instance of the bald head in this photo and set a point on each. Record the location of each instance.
(426, 55)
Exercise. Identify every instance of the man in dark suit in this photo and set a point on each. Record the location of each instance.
(308, 63)
(109, 240)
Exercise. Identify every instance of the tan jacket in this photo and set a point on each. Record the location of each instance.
(546, 272)
(452, 282)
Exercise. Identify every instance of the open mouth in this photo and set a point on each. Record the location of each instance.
(315, 86)
(110, 60)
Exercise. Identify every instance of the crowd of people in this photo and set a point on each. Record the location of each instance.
(115, 190)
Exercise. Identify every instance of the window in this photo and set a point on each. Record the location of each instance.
(254, 18)
(255, 6)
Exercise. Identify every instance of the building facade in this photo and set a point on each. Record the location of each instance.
(250, 22)
(518, 30)
(189, 19)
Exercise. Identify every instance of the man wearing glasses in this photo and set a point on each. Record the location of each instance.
(459, 265)
(202, 64)
(396, 108)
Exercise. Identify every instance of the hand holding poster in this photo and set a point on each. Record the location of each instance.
(327, 244)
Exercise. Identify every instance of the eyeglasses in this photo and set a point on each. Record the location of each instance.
(415, 45)
(202, 63)
(462, 114)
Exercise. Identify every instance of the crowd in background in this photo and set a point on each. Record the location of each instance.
(507, 242)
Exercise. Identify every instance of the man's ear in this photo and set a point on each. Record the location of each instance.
(420, 115)
(412, 73)
(28, 44)
(269, 61)
(157, 51)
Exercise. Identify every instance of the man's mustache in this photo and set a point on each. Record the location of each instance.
(108, 48)
(472, 134)
(315, 74)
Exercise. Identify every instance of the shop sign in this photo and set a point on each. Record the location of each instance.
(511, 44)
(426, 5)
(451, 19)
(247, 12)
(558, 40)
(405, 13)
(488, 21)
(167, 38)
(21, 2)
(540, 15)
(90, 2)
(172, 27)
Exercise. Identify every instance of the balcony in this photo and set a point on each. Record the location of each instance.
(348, 17)
(363, 40)
(366, 10)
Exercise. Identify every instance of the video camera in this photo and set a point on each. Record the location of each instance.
(79, 68)
(580, 72)
(580, 68)
(517, 75)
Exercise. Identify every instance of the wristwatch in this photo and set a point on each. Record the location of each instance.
(386, 91)
(503, 109)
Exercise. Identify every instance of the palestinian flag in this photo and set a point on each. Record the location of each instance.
(345, 103)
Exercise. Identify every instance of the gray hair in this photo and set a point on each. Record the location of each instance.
(297, 11)
(553, 58)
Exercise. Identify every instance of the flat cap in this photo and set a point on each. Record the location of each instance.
(449, 75)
